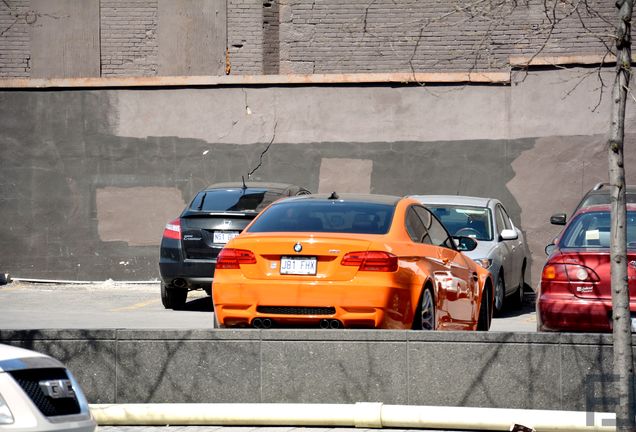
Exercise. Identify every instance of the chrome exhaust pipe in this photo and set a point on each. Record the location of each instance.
(267, 323)
(334, 324)
(324, 323)
(179, 283)
(257, 323)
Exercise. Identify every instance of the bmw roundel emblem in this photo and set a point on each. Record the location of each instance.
(298, 247)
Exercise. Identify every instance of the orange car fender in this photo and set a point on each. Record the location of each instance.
(485, 279)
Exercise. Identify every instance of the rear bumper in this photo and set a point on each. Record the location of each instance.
(570, 313)
(356, 305)
(195, 273)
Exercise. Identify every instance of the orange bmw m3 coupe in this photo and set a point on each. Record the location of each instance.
(350, 261)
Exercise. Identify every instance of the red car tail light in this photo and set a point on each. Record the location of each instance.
(569, 273)
(233, 258)
(173, 229)
(379, 261)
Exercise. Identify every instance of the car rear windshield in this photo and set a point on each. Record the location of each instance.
(466, 221)
(325, 216)
(234, 199)
(592, 230)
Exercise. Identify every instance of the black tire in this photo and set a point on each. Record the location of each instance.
(485, 316)
(173, 298)
(500, 295)
(424, 318)
(517, 297)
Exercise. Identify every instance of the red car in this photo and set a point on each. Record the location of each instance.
(575, 294)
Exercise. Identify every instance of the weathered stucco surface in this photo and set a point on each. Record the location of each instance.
(88, 178)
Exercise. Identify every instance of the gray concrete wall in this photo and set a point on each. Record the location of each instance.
(88, 178)
(499, 370)
(65, 38)
(192, 37)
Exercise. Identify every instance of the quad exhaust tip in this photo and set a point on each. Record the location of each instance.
(330, 324)
(262, 323)
(266, 323)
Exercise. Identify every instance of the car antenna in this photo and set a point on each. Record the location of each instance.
(244, 186)
(333, 196)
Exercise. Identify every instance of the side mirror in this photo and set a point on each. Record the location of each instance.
(465, 244)
(509, 234)
(558, 219)
(550, 248)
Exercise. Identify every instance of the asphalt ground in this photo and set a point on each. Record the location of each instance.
(117, 305)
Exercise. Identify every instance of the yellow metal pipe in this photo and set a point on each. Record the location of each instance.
(361, 415)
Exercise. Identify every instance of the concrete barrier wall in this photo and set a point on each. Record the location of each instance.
(504, 370)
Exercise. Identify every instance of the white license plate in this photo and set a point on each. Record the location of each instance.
(224, 236)
(298, 265)
(633, 325)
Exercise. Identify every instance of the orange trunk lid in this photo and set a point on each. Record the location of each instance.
(327, 250)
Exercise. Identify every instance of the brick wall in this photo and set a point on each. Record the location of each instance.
(128, 37)
(14, 38)
(325, 36)
(330, 36)
(245, 36)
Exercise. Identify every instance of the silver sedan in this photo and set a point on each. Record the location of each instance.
(501, 246)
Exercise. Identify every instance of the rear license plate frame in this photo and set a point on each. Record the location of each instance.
(291, 265)
(222, 237)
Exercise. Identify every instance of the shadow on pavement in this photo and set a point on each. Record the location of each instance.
(527, 307)
(201, 304)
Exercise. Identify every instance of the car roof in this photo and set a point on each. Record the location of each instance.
(602, 207)
(603, 188)
(281, 187)
(453, 200)
(349, 197)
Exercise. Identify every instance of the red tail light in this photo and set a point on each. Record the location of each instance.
(233, 258)
(379, 261)
(173, 229)
(569, 273)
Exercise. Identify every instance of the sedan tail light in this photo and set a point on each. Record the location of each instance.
(379, 261)
(569, 273)
(173, 229)
(233, 258)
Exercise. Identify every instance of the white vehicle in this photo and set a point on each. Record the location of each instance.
(501, 247)
(37, 393)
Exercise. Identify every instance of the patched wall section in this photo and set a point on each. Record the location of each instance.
(345, 175)
(135, 215)
(65, 39)
(191, 37)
